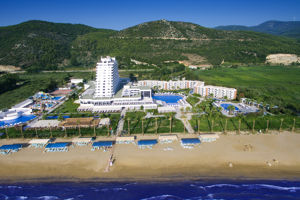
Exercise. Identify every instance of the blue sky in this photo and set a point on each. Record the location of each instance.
(117, 14)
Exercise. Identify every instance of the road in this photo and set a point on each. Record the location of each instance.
(83, 70)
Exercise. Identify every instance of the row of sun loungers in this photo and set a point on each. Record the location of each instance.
(57, 149)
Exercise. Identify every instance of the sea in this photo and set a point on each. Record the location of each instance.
(179, 190)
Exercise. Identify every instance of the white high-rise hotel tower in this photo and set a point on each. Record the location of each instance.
(107, 77)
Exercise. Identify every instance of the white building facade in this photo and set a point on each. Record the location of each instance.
(170, 85)
(216, 91)
(107, 77)
(198, 87)
(109, 93)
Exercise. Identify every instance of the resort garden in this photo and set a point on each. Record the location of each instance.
(136, 123)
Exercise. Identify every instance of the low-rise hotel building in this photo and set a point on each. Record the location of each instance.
(216, 91)
(198, 87)
(170, 85)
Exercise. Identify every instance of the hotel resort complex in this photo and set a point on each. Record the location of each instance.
(110, 93)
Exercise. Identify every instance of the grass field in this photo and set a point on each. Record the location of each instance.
(246, 123)
(277, 85)
(149, 125)
(68, 107)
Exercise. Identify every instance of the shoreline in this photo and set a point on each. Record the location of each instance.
(208, 161)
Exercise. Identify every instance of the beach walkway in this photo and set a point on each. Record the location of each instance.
(121, 122)
(185, 120)
(110, 160)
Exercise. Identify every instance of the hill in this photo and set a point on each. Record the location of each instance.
(163, 41)
(39, 43)
(45, 45)
(288, 29)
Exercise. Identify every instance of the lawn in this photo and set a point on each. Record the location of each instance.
(192, 100)
(135, 121)
(246, 123)
(68, 107)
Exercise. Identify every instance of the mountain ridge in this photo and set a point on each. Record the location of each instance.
(280, 28)
(50, 45)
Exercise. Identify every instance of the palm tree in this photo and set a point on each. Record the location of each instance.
(36, 134)
(267, 129)
(225, 128)
(94, 128)
(50, 130)
(79, 133)
(281, 121)
(66, 135)
(6, 132)
(21, 129)
(253, 125)
(128, 124)
(171, 118)
(107, 130)
(143, 126)
(156, 127)
(231, 108)
(199, 125)
(240, 119)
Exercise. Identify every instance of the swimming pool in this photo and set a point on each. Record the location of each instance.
(169, 99)
(56, 98)
(225, 106)
(22, 119)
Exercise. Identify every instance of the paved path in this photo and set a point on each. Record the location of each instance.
(121, 122)
(185, 121)
(200, 100)
(79, 70)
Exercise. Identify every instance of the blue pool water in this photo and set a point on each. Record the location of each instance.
(56, 98)
(22, 119)
(185, 190)
(225, 106)
(169, 99)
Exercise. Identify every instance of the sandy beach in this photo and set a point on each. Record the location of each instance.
(267, 156)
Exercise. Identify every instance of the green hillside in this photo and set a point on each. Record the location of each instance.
(39, 43)
(45, 45)
(159, 41)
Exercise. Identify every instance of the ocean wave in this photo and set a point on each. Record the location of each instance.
(104, 190)
(3, 196)
(214, 186)
(163, 197)
(48, 197)
(13, 187)
(21, 197)
(128, 184)
(274, 187)
(222, 185)
(119, 189)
